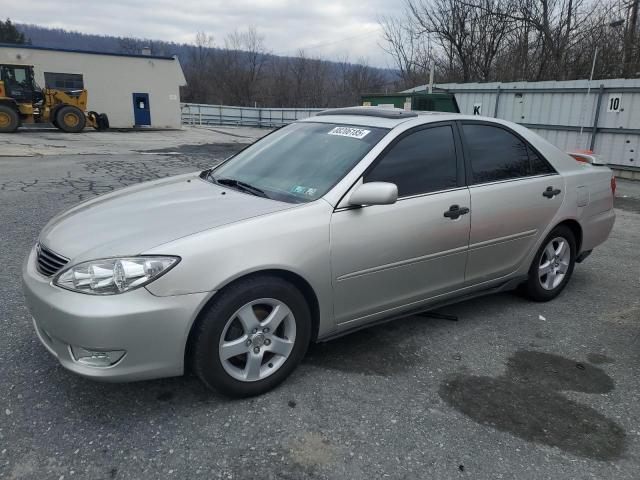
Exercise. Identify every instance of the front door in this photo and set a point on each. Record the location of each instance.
(386, 258)
(141, 111)
(515, 193)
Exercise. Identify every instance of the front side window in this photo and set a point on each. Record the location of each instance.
(496, 154)
(421, 162)
(300, 162)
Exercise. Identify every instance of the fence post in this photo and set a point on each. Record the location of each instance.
(260, 117)
(495, 110)
(596, 117)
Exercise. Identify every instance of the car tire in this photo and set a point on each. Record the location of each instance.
(552, 265)
(237, 321)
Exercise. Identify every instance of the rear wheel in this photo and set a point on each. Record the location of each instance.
(552, 266)
(251, 337)
(9, 119)
(70, 119)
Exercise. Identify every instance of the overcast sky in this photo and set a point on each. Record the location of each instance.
(323, 27)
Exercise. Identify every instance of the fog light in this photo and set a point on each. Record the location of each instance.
(96, 358)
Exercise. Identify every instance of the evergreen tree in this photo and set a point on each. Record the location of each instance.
(10, 34)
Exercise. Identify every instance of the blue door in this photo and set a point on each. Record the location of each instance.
(141, 112)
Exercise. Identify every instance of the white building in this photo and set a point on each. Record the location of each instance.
(133, 90)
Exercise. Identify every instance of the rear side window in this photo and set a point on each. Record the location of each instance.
(539, 166)
(495, 153)
(421, 162)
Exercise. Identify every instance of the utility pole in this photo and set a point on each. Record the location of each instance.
(629, 41)
(431, 73)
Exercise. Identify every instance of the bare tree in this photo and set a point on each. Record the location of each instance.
(242, 62)
(471, 33)
(631, 50)
(199, 70)
(410, 50)
(485, 40)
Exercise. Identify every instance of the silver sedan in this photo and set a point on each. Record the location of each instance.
(328, 225)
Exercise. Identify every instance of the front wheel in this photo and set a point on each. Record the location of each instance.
(552, 266)
(251, 337)
(70, 119)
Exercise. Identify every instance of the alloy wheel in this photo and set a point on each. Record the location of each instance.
(554, 263)
(257, 339)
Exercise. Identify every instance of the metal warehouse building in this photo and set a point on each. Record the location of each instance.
(133, 90)
(603, 116)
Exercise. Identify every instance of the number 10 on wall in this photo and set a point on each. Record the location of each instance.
(614, 103)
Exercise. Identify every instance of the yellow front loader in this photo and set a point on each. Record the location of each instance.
(23, 102)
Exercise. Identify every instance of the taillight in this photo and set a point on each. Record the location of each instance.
(613, 186)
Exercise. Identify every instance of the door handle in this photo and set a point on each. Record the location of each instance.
(455, 211)
(550, 192)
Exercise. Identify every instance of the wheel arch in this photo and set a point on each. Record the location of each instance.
(293, 278)
(576, 229)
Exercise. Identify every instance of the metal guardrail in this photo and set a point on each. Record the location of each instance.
(203, 114)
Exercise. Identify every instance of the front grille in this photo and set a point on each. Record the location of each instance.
(49, 263)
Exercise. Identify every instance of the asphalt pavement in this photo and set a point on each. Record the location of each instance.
(513, 389)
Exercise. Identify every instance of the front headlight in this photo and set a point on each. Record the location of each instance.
(110, 276)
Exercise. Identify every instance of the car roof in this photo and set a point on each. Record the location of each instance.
(386, 117)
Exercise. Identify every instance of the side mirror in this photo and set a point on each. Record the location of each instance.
(374, 193)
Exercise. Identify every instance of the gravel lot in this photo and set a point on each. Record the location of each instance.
(513, 389)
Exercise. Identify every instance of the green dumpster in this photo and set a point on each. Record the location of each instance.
(432, 102)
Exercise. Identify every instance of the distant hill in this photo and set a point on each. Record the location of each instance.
(316, 83)
(59, 38)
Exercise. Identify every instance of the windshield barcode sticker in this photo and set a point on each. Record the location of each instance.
(358, 133)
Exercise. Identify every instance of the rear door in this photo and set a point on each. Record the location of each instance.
(515, 194)
(389, 256)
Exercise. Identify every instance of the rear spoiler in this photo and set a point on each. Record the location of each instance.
(587, 156)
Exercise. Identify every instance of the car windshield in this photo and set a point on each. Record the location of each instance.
(298, 163)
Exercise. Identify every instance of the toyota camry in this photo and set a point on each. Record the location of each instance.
(325, 226)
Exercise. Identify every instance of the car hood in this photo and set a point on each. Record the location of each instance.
(135, 219)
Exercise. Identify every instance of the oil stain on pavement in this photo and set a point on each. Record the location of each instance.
(527, 402)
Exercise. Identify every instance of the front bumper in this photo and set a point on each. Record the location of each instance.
(152, 330)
